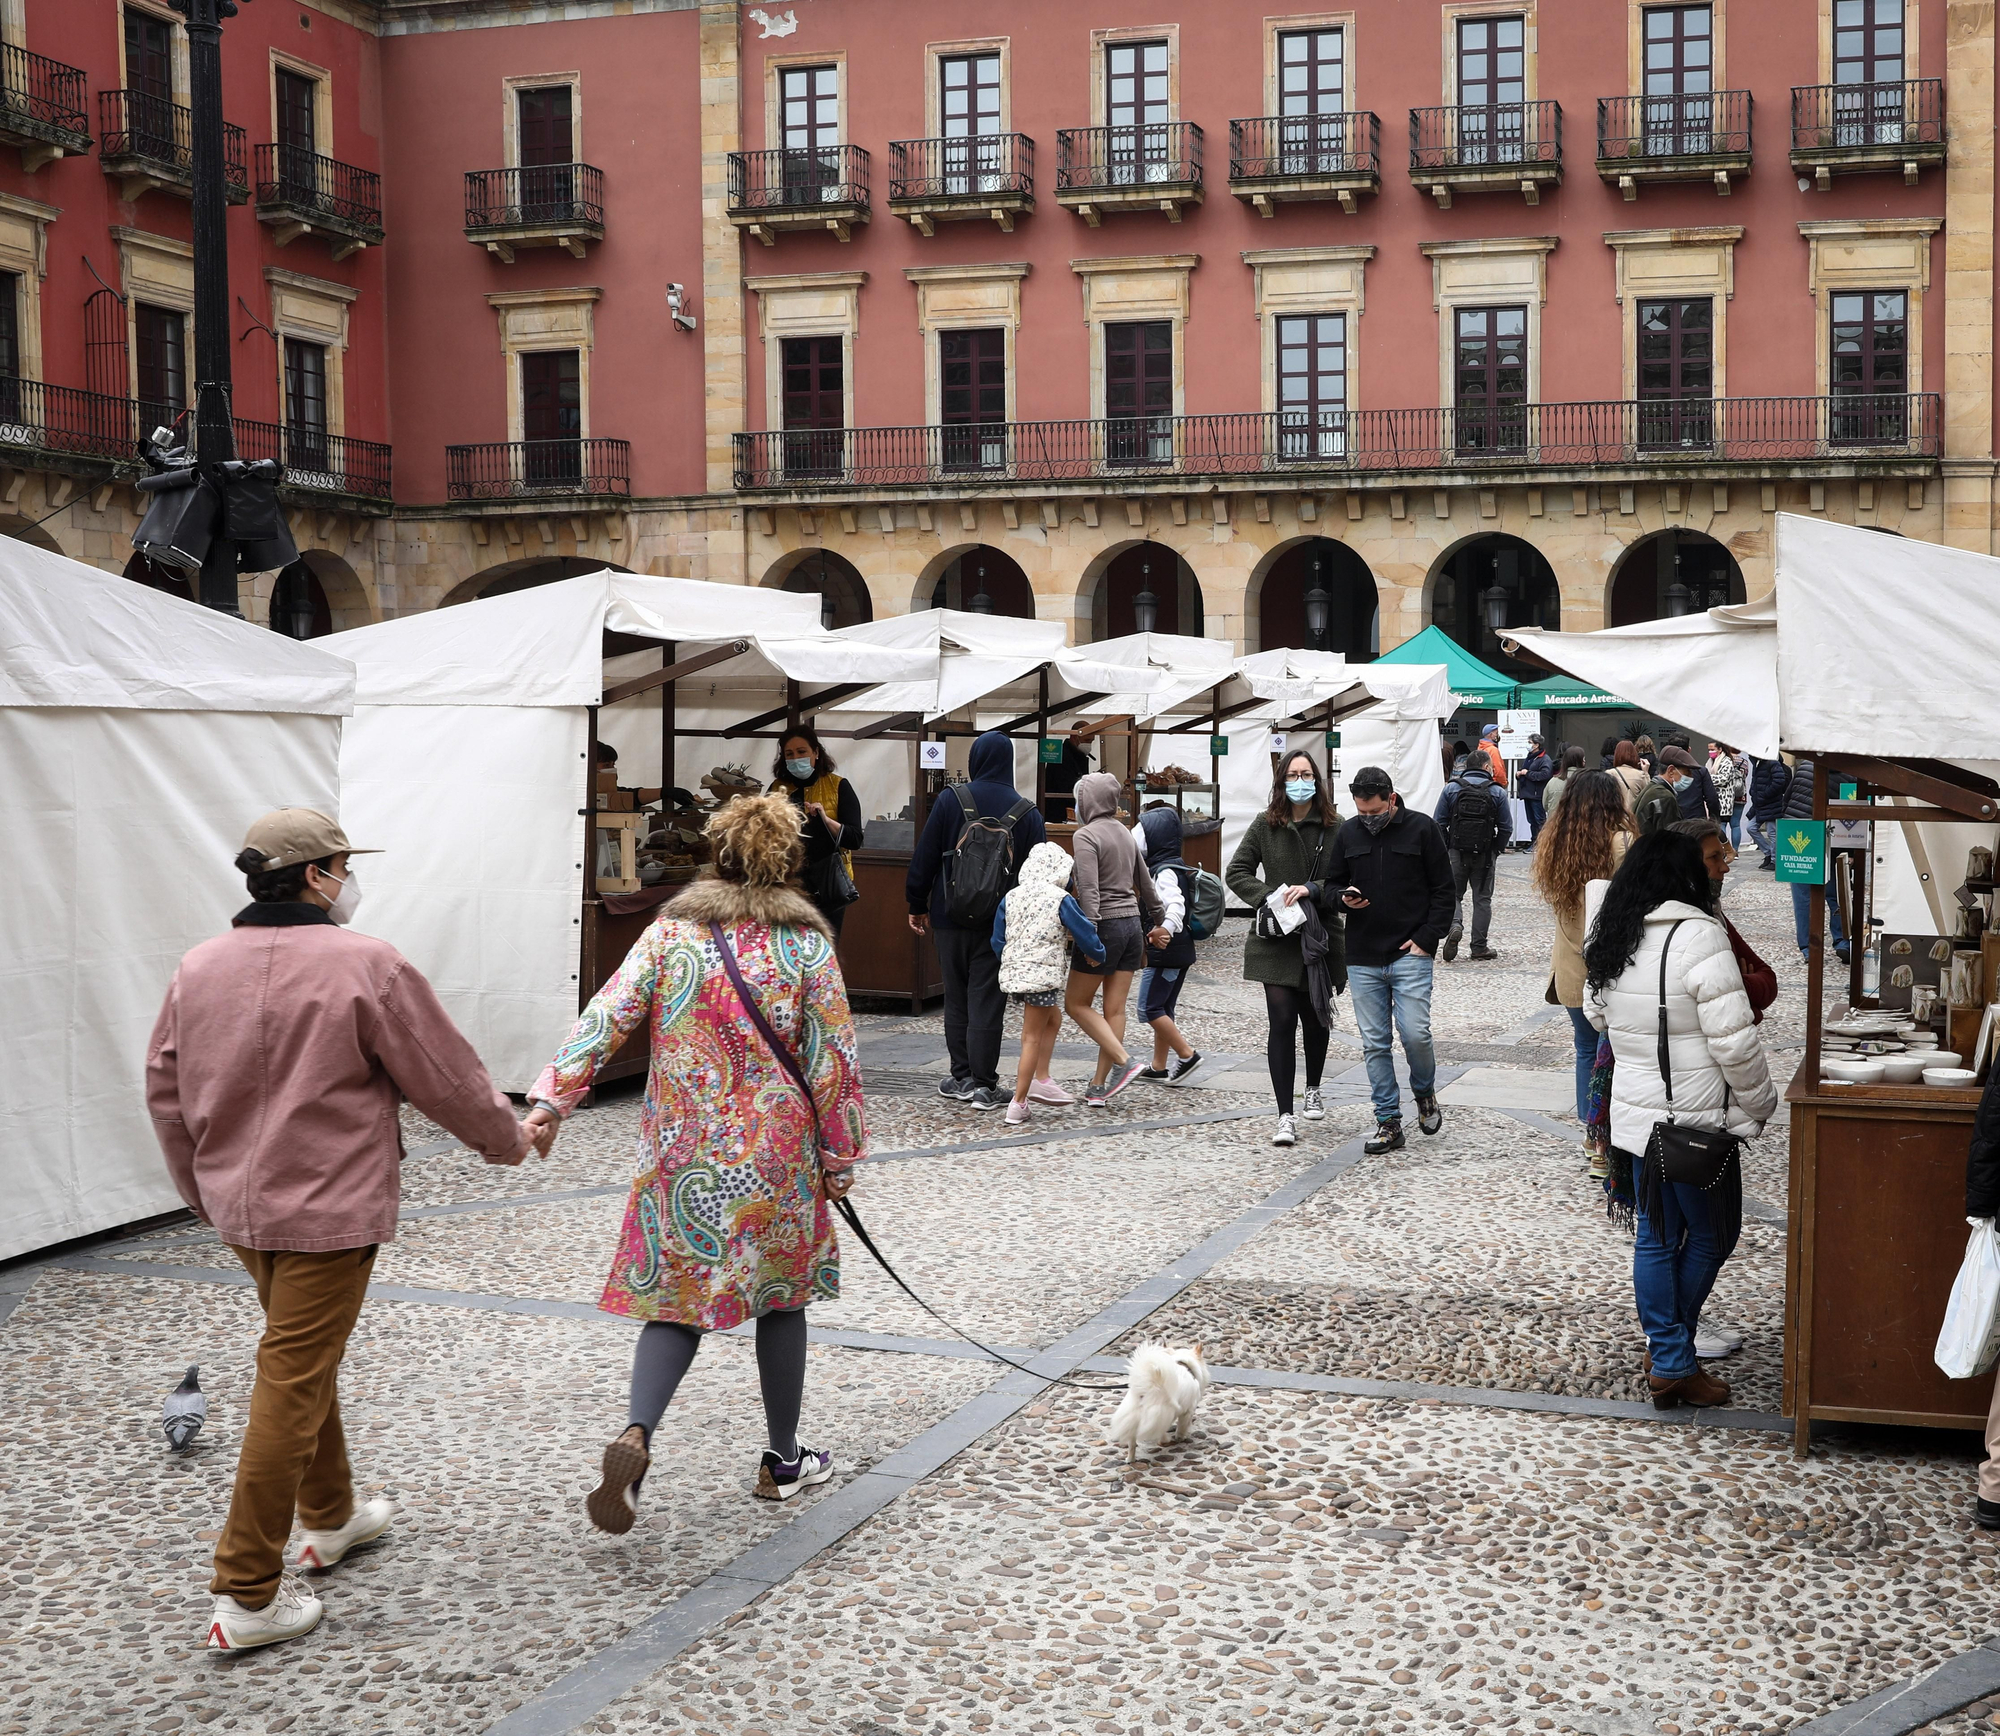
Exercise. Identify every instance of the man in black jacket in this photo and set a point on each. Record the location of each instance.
(1768, 780)
(1477, 825)
(1982, 1200)
(1393, 875)
(1696, 793)
(1798, 805)
(974, 1007)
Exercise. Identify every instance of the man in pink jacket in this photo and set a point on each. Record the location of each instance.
(274, 1077)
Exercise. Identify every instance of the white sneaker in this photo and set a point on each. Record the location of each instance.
(1314, 1106)
(294, 1611)
(1018, 1113)
(1288, 1132)
(1728, 1334)
(1048, 1091)
(1714, 1346)
(319, 1550)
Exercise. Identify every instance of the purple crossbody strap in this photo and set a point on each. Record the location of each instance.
(778, 1046)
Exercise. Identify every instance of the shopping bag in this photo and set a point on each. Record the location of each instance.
(1969, 1342)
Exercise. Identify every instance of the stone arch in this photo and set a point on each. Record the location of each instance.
(1456, 586)
(509, 576)
(29, 532)
(819, 572)
(1115, 577)
(956, 576)
(1276, 599)
(1641, 584)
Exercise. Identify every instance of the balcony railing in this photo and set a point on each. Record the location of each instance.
(539, 470)
(1486, 136)
(538, 196)
(1524, 436)
(1305, 147)
(317, 462)
(1889, 119)
(1645, 130)
(798, 180)
(1128, 159)
(42, 99)
(57, 423)
(994, 165)
(158, 136)
(319, 191)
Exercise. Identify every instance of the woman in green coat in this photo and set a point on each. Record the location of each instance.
(1288, 845)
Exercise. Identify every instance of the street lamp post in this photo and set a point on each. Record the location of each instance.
(1145, 606)
(1318, 606)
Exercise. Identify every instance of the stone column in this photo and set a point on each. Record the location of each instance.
(722, 336)
(1968, 275)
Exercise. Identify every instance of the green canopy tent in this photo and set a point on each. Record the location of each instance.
(1476, 684)
(1566, 693)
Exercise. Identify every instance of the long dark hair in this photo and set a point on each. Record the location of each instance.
(1279, 813)
(1575, 845)
(1661, 868)
(822, 760)
(1572, 760)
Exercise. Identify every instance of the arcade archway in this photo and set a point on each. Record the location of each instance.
(842, 591)
(1488, 584)
(1673, 572)
(983, 581)
(1146, 588)
(1318, 595)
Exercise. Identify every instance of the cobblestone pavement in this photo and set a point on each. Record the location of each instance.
(1323, 1554)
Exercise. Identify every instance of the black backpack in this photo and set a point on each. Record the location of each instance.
(981, 862)
(1472, 819)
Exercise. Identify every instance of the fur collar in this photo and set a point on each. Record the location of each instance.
(731, 901)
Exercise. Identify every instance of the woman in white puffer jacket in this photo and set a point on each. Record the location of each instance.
(1661, 895)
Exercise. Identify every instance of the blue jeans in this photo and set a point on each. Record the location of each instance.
(1403, 991)
(1672, 1274)
(1764, 834)
(1735, 824)
(1584, 1033)
(1802, 916)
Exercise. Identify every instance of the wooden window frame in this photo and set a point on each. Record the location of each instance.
(510, 113)
(1308, 280)
(1274, 28)
(806, 305)
(322, 77)
(1454, 10)
(937, 52)
(1912, 37)
(1100, 40)
(1673, 264)
(1136, 287)
(314, 310)
(774, 102)
(1635, 39)
(966, 296)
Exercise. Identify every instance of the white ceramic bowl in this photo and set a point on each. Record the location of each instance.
(1950, 1076)
(1941, 1058)
(1857, 1071)
(1903, 1069)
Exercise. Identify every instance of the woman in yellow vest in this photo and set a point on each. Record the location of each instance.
(804, 774)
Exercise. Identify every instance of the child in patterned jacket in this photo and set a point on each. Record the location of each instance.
(1033, 931)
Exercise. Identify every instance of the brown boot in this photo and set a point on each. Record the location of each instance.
(1700, 1389)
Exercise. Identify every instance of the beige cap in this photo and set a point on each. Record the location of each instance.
(291, 835)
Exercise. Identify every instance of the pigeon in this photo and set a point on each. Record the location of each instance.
(184, 1412)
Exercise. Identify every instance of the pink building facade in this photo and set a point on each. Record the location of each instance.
(1279, 326)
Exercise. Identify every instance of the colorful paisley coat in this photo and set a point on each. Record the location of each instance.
(726, 1219)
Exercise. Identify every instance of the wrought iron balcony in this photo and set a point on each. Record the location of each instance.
(539, 205)
(147, 143)
(41, 107)
(553, 470)
(63, 429)
(934, 181)
(301, 193)
(1842, 129)
(1156, 167)
(1673, 138)
(319, 467)
(821, 188)
(1895, 430)
(1486, 147)
(1280, 157)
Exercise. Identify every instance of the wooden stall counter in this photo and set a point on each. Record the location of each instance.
(1198, 849)
(879, 952)
(1876, 1235)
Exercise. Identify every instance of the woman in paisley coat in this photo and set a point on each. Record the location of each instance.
(729, 1218)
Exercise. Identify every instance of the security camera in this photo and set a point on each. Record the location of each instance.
(676, 306)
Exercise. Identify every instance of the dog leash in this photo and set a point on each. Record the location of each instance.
(786, 1059)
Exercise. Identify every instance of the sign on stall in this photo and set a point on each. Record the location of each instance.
(930, 755)
(1801, 852)
(1515, 728)
(1051, 751)
(1218, 747)
(1278, 743)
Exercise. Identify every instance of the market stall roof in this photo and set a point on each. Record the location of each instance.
(1474, 682)
(71, 635)
(1565, 692)
(1188, 670)
(545, 646)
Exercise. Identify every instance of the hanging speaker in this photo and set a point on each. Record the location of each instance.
(252, 517)
(180, 521)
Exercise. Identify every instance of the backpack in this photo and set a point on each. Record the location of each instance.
(981, 861)
(1656, 808)
(1472, 820)
(1205, 898)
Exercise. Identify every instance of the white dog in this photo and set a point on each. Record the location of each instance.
(1163, 1386)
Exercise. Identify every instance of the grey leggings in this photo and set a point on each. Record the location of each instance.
(665, 1352)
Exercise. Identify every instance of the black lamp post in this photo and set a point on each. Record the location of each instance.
(1317, 605)
(1494, 600)
(981, 603)
(1145, 606)
(828, 614)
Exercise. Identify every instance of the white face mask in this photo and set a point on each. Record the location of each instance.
(348, 901)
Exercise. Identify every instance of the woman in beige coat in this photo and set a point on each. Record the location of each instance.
(1631, 775)
(1585, 840)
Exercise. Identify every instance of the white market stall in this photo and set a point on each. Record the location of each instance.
(469, 760)
(140, 736)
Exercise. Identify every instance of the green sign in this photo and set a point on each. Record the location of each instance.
(1802, 852)
(1333, 741)
(1218, 746)
(1051, 751)
(1847, 792)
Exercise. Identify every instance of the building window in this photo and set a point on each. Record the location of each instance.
(1137, 107)
(1676, 372)
(10, 325)
(1868, 368)
(1312, 385)
(546, 143)
(305, 403)
(1492, 88)
(1312, 73)
(1868, 71)
(1139, 391)
(552, 415)
(149, 85)
(1490, 367)
(809, 118)
(298, 136)
(815, 403)
(1679, 75)
(969, 119)
(162, 336)
(972, 397)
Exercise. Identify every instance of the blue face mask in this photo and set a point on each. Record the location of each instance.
(802, 769)
(1301, 789)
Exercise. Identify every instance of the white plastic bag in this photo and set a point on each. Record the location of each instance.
(1286, 916)
(1969, 1341)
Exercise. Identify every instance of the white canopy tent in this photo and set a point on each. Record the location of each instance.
(466, 763)
(140, 736)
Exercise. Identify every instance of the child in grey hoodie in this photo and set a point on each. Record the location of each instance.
(1118, 895)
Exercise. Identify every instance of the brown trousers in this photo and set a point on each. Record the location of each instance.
(1989, 1473)
(294, 1456)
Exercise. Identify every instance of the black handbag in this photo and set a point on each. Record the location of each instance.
(835, 888)
(1697, 1157)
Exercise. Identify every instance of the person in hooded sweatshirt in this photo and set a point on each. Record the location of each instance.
(1117, 894)
(974, 1008)
(1167, 966)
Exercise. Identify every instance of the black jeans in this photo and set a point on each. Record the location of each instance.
(974, 1008)
(1474, 871)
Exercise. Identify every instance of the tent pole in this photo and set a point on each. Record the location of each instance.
(667, 743)
(587, 926)
(791, 705)
(1041, 735)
